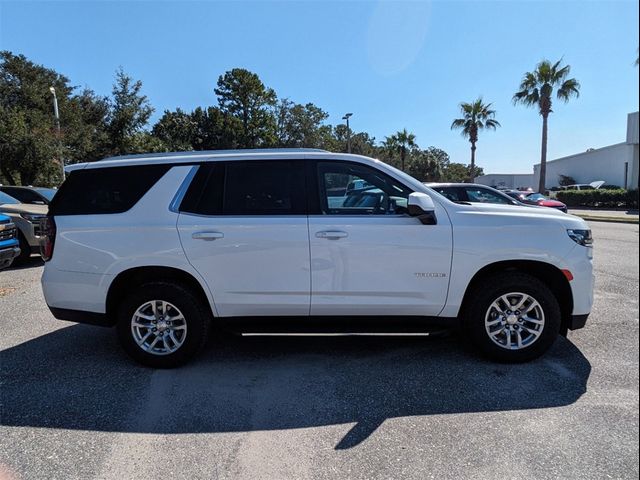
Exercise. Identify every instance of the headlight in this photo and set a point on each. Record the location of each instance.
(582, 237)
(32, 217)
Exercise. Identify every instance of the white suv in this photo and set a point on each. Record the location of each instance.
(161, 245)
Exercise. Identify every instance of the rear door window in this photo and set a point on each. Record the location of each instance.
(269, 187)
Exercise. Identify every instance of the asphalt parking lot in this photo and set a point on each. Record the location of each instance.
(73, 406)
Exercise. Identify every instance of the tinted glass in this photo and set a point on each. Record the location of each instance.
(248, 188)
(536, 196)
(484, 195)
(105, 190)
(24, 195)
(4, 198)
(349, 188)
(515, 195)
(454, 194)
(48, 193)
(204, 196)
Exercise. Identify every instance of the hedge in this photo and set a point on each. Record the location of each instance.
(599, 198)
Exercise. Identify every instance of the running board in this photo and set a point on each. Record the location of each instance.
(338, 326)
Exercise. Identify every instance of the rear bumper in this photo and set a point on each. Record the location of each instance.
(75, 291)
(79, 316)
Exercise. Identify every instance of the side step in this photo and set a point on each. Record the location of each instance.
(334, 326)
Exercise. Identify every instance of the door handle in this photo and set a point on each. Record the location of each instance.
(207, 235)
(332, 234)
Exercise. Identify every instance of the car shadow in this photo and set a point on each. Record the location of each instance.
(78, 378)
(31, 262)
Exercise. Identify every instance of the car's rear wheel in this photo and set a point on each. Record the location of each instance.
(514, 317)
(162, 324)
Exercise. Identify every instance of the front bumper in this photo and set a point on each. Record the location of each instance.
(7, 255)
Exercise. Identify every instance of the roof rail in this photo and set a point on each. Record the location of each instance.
(200, 153)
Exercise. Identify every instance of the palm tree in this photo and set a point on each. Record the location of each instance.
(536, 89)
(476, 116)
(400, 142)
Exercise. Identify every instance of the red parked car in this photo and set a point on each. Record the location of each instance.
(536, 199)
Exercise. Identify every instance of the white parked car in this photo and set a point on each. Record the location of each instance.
(585, 186)
(160, 245)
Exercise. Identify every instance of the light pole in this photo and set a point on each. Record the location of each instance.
(346, 117)
(57, 115)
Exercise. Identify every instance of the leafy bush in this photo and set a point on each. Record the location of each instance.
(602, 198)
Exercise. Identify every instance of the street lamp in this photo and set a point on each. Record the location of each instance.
(57, 115)
(346, 117)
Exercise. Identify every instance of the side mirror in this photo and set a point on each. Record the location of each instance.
(421, 205)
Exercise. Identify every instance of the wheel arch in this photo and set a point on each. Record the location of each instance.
(547, 273)
(139, 275)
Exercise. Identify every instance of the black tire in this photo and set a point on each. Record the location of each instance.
(25, 250)
(473, 318)
(196, 315)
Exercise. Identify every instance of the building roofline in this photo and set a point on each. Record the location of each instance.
(582, 153)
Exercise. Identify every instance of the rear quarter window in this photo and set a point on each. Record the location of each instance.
(97, 191)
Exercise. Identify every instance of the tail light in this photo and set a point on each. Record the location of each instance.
(48, 237)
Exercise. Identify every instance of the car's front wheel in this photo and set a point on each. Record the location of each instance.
(162, 324)
(25, 250)
(514, 317)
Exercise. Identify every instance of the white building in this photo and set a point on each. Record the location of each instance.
(507, 180)
(616, 165)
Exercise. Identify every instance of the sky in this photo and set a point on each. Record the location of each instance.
(393, 64)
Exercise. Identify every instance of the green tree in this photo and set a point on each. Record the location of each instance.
(203, 129)
(424, 166)
(129, 114)
(300, 126)
(85, 132)
(177, 130)
(401, 141)
(215, 130)
(459, 172)
(476, 116)
(30, 148)
(536, 89)
(242, 95)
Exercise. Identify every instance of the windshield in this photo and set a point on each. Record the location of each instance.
(7, 199)
(516, 195)
(536, 197)
(48, 193)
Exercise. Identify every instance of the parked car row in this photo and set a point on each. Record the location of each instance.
(473, 193)
(25, 207)
(30, 195)
(9, 248)
(532, 198)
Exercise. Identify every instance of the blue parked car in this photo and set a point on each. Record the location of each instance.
(8, 242)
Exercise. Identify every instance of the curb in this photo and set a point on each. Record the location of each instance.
(608, 219)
